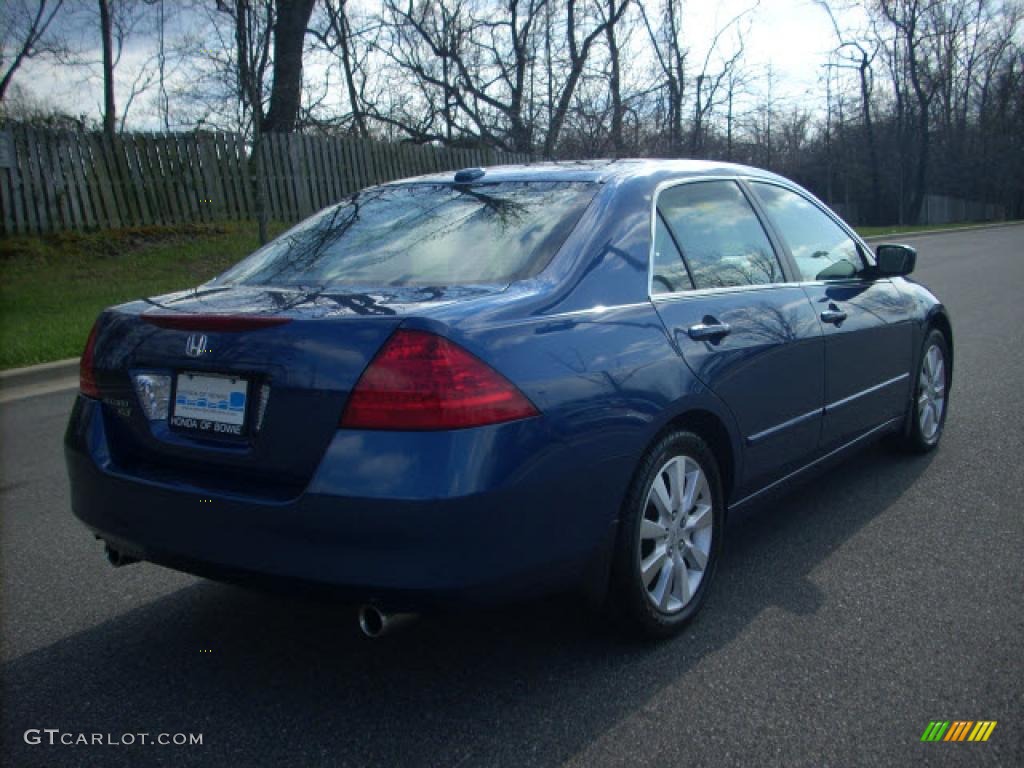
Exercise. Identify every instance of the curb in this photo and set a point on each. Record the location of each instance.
(38, 374)
(18, 383)
(949, 231)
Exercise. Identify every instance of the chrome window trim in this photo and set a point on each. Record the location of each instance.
(846, 400)
(698, 292)
(841, 281)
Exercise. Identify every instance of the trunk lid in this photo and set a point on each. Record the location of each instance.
(295, 354)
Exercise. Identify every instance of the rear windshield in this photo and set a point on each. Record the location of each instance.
(423, 234)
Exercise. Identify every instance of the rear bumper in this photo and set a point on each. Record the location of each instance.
(539, 522)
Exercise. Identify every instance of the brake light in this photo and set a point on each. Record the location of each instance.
(86, 374)
(421, 381)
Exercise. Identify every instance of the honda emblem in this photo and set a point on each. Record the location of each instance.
(196, 345)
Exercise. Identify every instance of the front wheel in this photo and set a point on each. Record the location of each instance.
(931, 396)
(670, 536)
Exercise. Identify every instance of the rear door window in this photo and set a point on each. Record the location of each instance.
(721, 239)
(423, 234)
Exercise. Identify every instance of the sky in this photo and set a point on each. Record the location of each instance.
(791, 37)
(794, 37)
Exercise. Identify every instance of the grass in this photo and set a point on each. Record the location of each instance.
(52, 287)
(907, 229)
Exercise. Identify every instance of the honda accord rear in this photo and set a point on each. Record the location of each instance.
(351, 406)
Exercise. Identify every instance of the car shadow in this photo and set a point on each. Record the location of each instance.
(270, 679)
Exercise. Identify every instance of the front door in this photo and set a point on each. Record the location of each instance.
(865, 321)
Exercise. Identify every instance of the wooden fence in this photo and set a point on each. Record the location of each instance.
(59, 180)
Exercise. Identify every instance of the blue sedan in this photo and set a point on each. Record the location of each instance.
(501, 383)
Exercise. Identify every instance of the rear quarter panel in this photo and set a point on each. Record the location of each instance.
(584, 342)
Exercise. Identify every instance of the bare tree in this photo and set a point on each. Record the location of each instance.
(163, 101)
(908, 19)
(578, 50)
(762, 124)
(265, 44)
(736, 84)
(253, 23)
(107, 36)
(23, 35)
(291, 20)
(670, 54)
(859, 56)
(339, 37)
(614, 81)
(708, 84)
(116, 21)
(471, 70)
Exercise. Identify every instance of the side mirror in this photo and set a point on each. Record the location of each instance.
(895, 260)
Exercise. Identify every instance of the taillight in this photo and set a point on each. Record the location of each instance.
(86, 374)
(421, 381)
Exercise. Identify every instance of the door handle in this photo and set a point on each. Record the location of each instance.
(833, 315)
(709, 329)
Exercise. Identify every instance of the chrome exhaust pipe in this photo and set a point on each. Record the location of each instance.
(118, 559)
(374, 623)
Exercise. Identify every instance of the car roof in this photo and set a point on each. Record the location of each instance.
(599, 171)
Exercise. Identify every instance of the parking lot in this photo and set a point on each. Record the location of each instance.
(886, 593)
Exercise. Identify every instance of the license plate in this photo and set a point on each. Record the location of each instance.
(209, 403)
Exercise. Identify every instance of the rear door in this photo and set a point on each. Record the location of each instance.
(719, 287)
(865, 320)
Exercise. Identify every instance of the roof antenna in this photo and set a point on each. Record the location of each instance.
(467, 175)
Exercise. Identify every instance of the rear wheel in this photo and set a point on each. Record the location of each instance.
(931, 396)
(670, 537)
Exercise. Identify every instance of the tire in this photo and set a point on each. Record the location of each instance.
(929, 406)
(646, 601)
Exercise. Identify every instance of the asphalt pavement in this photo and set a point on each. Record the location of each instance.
(886, 593)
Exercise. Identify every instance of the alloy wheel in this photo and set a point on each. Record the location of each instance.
(931, 398)
(675, 534)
